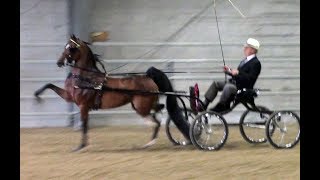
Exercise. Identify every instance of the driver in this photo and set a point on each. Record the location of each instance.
(244, 76)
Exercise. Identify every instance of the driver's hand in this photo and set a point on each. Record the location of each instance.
(230, 71)
(226, 69)
(234, 72)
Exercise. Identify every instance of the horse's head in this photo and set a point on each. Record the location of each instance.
(74, 49)
(79, 52)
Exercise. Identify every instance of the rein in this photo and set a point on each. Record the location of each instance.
(140, 92)
(138, 73)
(100, 86)
(85, 69)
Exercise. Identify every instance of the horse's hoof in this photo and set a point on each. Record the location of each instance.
(78, 148)
(37, 93)
(39, 99)
(152, 142)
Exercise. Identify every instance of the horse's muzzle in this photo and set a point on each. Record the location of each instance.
(69, 60)
(60, 64)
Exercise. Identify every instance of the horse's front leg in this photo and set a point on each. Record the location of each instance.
(61, 92)
(84, 110)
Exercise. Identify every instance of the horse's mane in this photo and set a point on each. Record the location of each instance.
(95, 58)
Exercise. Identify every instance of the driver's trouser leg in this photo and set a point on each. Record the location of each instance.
(228, 91)
(213, 90)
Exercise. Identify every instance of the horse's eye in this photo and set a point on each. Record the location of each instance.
(73, 50)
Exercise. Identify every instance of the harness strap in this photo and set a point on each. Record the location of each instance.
(97, 102)
(97, 87)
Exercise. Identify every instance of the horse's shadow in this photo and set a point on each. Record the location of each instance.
(234, 146)
(137, 149)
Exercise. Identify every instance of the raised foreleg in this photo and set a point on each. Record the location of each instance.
(61, 92)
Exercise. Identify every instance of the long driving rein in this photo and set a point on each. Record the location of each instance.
(134, 73)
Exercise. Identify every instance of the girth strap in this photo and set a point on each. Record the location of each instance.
(97, 101)
(86, 83)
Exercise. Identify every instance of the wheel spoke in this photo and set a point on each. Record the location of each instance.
(252, 125)
(285, 127)
(209, 131)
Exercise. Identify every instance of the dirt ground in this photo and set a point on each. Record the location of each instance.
(114, 153)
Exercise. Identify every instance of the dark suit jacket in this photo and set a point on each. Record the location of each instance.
(248, 74)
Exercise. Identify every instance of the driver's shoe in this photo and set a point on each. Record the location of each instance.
(221, 107)
(206, 103)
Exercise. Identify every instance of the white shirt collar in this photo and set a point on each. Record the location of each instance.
(250, 57)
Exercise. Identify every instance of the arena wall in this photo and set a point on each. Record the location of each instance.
(178, 35)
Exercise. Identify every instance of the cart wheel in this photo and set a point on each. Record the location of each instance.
(252, 125)
(173, 133)
(209, 131)
(285, 127)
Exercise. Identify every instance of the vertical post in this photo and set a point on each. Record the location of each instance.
(79, 20)
(79, 12)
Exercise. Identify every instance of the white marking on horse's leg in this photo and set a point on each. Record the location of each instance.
(152, 142)
(148, 120)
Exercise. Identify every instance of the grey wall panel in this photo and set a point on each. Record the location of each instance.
(275, 23)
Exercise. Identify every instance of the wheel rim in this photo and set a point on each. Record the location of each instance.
(209, 131)
(286, 129)
(174, 134)
(253, 126)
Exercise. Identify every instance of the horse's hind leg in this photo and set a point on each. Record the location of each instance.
(156, 129)
(61, 92)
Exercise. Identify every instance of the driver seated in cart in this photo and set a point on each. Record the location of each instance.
(244, 76)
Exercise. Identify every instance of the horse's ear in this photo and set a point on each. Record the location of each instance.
(73, 36)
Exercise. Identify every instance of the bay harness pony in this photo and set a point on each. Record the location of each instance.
(91, 89)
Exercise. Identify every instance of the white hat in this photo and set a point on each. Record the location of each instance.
(253, 43)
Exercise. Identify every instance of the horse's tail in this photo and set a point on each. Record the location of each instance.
(173, 109)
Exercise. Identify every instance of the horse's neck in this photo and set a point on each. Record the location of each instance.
(86, 63)
(76, 71)
(84, 68)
